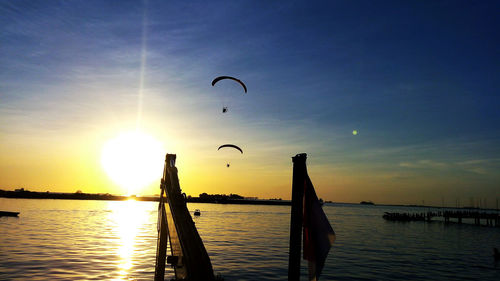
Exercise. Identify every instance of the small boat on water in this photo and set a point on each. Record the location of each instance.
(197, 212)
(8, 214)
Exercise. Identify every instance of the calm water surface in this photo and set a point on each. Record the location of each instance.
(115, 240)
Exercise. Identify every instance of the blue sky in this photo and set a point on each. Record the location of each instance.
(417, 79)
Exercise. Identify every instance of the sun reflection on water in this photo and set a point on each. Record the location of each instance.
(129, 216)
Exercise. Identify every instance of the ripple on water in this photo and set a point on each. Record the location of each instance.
(98, 240)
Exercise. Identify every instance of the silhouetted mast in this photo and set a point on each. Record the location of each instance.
(299, 168)
(307, 217)
(189, 256)
(161, 246)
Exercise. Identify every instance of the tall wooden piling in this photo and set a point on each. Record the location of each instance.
(189, 256)
(298, 180)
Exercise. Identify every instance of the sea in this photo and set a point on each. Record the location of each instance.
(116, 240)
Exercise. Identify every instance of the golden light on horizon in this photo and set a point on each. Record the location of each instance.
(133, 160)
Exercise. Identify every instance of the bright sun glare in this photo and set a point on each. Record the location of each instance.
(133, 160)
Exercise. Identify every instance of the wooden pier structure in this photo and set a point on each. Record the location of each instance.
(489, 218)
(189, 257)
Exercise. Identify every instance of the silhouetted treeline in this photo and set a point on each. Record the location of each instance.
(212, 197)
(21, 193)
(366, 203)
(234, 199)
(78, 195)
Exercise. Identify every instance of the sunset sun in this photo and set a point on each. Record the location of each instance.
(133, 160)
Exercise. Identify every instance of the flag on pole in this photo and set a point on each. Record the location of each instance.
(318, 234)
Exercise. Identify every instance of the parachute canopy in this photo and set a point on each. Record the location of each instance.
(229, 77)
(230, 145)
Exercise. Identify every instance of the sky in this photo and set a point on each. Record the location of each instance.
(417, 80)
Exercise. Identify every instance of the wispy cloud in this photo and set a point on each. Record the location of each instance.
(424, 164)
(475, 166)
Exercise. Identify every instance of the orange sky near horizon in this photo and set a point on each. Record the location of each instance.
(69, 165)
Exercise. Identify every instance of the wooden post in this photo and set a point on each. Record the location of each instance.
(298, 181)
(161, 246)
(194, 264)
(189, 256)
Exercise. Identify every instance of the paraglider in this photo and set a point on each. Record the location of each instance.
(229, 77)
(231, 146)
(224, 108)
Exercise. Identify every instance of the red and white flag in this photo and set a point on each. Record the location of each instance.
(318, 233)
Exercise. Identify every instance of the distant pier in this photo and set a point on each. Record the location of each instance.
(487, 218)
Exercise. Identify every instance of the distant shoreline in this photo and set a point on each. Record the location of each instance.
(25, 194)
